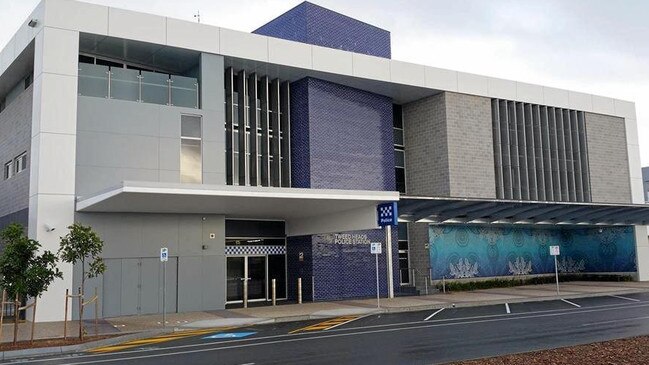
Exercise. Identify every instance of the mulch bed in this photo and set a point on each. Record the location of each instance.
(629, 351)
(52, 342)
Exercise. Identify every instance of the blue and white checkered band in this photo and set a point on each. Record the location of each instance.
(254, 250)
(386, 211)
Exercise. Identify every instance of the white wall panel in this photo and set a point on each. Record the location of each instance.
(76, 15)
(371, 67)
(289, 53)
(625, 109)
(580, 101)
(603, 105)
(57, 52)
(555, 97)
(332, 60)
(137, 26)
(502, 89)
(631, 127)
(441, 79)
(529, 93)
(192, 35)
(472, 84)
(244, 45)
(407, 73)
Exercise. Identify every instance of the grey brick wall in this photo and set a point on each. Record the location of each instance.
(470, 146)
(607, 159)
(427, 172)
(449, 146)
(15, 138)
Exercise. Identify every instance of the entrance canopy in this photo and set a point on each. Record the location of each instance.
(305, 211)
(459, 210)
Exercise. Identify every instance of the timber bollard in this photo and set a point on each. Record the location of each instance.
(299, 290)
(245, 292)
(274, 292)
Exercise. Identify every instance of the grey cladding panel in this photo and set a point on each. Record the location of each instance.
(190, 295)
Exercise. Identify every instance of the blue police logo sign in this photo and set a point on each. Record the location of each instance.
(387, 214)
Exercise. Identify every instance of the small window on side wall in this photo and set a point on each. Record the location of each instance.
(20, 162)
(8, 171)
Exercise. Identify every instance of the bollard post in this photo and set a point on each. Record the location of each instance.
(299, 290)
(274, 288)
(245, 292)
(65, 317)
(426, 285)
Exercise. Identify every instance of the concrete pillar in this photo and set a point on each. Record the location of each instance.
(53, 153)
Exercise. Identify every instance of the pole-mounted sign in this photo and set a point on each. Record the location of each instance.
(387, 216)
(375, 249)
(554, 252)
(164, 257)
(164, 254)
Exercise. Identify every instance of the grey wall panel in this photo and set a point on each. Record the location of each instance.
(419, 253)
(171, 281)
(607, 159)
(190, 276)
(120, 140)
(130, 298)
(213, 269)
(498, 153)
(150, 285)
(112, 288)
(15, 138)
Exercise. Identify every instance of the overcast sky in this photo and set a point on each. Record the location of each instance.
(599, 47)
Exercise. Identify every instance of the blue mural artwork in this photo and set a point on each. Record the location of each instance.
(462, 251)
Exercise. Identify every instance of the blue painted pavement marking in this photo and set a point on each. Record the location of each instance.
(229, 335)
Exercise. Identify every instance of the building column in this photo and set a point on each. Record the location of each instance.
(53, 154)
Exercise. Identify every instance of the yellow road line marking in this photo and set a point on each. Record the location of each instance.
(158, 339)
(321, 326)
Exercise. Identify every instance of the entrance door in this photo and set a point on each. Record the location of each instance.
(235, 277)
(252, 268)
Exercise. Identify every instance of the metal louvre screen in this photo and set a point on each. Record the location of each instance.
(257, 126)
(540, 152)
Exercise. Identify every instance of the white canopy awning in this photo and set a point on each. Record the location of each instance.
(306, 211)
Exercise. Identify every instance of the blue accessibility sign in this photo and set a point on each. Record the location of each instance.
(229, 335)
(387, 214)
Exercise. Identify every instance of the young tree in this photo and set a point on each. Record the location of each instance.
(23, 273)
(82, 245)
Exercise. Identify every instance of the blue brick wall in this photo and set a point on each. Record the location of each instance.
(338, 271)
(313, 24)
(341, 137)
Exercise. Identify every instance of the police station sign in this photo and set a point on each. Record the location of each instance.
(387, 214)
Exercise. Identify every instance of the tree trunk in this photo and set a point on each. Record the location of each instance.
(16, 315)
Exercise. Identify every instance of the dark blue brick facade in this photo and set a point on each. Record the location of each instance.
(341, 137)
(338, 270)
(313, 24)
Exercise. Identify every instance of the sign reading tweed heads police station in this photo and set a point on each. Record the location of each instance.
(387, 214)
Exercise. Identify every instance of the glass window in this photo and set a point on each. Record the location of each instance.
(399, 158)
(8, 170)
(191, 161)
(20, 162)
(398, 137)
(400, 179)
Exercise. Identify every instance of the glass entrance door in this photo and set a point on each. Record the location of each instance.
(235, 275)
(256, 277)
(240, 268)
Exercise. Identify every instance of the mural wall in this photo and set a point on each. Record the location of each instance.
(458, 251)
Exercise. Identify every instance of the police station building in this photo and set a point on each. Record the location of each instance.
(260, 156)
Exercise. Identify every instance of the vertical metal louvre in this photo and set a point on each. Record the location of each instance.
(257, 126)
(540, 152)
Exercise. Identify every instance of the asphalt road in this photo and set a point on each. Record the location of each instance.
(424, 337)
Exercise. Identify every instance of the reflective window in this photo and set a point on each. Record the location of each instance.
(191, 162)
(8, 171)
(20, 162)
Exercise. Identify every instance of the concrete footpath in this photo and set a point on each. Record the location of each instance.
(295, 312)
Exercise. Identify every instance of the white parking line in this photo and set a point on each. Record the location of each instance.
(571, 303)
(433, 315)
(507, 308)
(625, 298)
